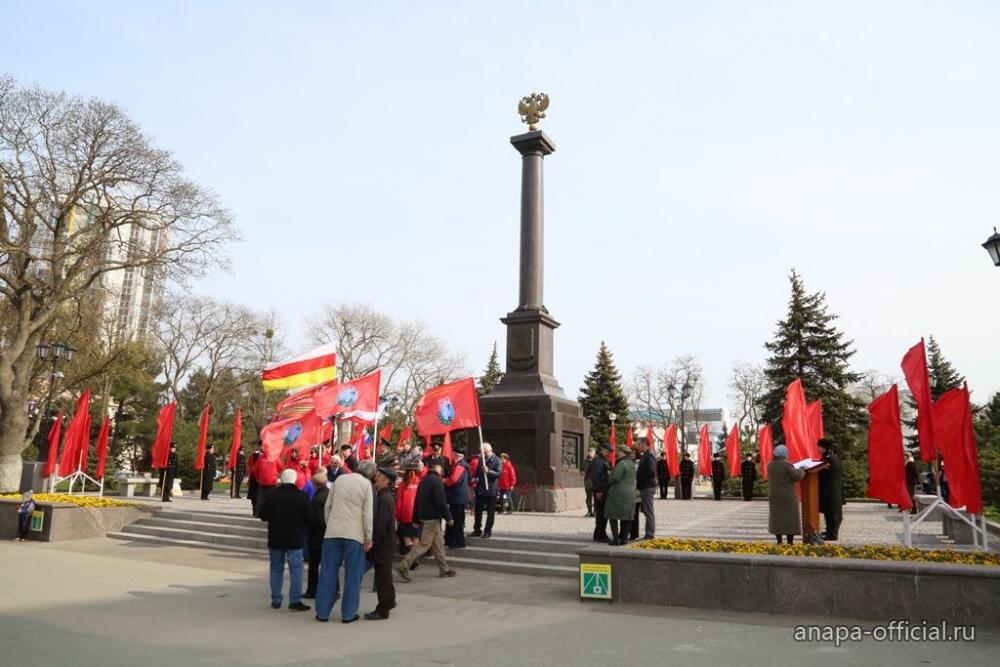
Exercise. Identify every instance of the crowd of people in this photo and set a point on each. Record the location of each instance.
(332, 513)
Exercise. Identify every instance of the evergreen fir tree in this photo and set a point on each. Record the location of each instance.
(603, 394)
(491, 376)
(807, 345)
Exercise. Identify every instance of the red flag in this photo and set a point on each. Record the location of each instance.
(234, 449)
(814, 418)
(54, 432)
(613, 444)
(886, 476)
(164, 431)
(733, 451)
(386, 433)
(448, 407)
(704, 453)
(795, 424)
(357, 398)
(650, 436)
(446, 450)
(670, 444)
(83, 455)
(102, 447)
(199, 458)
(914, 367)
(73, 444)
(630, 437)
(953, 435)
(765, 445)
(404, 437)
(300, 433)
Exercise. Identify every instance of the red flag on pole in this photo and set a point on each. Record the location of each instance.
(448, 407)
(795, 424)
(650, 436)
(953, 435)
(814, 418)
(55, 431)
(404, 437)
(357, 398)
(164, 431)
(886, 474)
(670, 444)
(199, 458)
(386, 433)
(704, 453)
(102, 447)
(614, 446)
(630, 437)
(72, 446)
(733, 451)
(83, 455)
(234, 449)
(765, 445)
(914, 367)
(300, 433)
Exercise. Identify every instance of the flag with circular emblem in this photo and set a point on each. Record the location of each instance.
(447, 407)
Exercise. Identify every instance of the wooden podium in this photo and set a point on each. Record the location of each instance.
(809, 497)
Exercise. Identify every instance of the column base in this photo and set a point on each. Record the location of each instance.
(554, 499)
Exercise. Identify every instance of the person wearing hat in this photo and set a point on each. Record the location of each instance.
(429, 508)
(598, 473)
(456, 491)
(316, 530)
(383, 544)
(239, 471)
(718, 475)
(348, 457)
(24, 512)
(287, 515)
(748, 473)
(663, 474)
(783, 503)
(169, 473)
(208, 472)
(437, 457)
(687, 476)
(831, 490)
(620, 507)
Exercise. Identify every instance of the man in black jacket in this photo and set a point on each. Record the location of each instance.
(687, 476)
(645, 481)
(239, 472)
(383, 544)
(437, 457)
(350, 460)
(748, 471)
(167, 478)
(316, 531)
(287, 514)
(831, 491)
(663, 475)
(598, 473)
(208, 472)
(718, 475)
(429, 507)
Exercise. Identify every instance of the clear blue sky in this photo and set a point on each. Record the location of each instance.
(703, 149)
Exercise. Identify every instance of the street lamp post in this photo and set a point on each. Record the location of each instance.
(612, 416)
(54, 352)
(992, 246)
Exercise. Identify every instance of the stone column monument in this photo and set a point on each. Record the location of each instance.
(528, 415)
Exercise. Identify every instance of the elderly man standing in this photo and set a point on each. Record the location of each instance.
(287, 514)
(645, 480)
(486, 477)
(384, 544)
(349, 515)
(429, 508)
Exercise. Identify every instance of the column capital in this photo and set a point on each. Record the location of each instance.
(533, 142)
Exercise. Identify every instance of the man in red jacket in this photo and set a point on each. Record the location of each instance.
(508, 480)
(266, 473)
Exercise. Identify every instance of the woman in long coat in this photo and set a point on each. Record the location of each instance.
(783, 503)
(621, 497)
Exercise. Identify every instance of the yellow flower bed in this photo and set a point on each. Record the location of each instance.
(82, 501)
(870, 552)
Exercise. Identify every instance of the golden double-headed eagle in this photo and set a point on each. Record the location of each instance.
(532, 109)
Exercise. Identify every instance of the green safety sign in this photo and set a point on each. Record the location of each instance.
(595, 581)
(37, 520)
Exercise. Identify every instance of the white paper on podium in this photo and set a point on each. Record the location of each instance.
(807, 463)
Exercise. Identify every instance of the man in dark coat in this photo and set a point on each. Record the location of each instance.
(912, 478)
(831, 491)
(645, 482)
(316, 530)
(687, 476)
(663, 475)
(347, 455)
(487, 490)
(588, 486)
(599, 474)
(167, 478)
(208, 472)
(429, 507)
(239, 472)
(383, 544)
(456, 491)
(438, 458)
(286, 511)
(748, 472)
(718, 475)
(252, 485)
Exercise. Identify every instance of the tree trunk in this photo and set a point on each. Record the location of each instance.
(13, 426)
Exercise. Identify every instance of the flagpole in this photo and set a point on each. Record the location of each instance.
(374, 433)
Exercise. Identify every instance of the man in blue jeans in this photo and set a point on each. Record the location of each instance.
(349, 529)
(287, 514)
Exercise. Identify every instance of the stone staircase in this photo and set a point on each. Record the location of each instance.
(232, 533)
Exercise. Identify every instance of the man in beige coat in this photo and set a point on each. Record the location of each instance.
(349, 514)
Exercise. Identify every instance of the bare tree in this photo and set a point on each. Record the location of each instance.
(669, 390)
(84, 195)
(411, 358)
(875, 383)
(748, 384)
